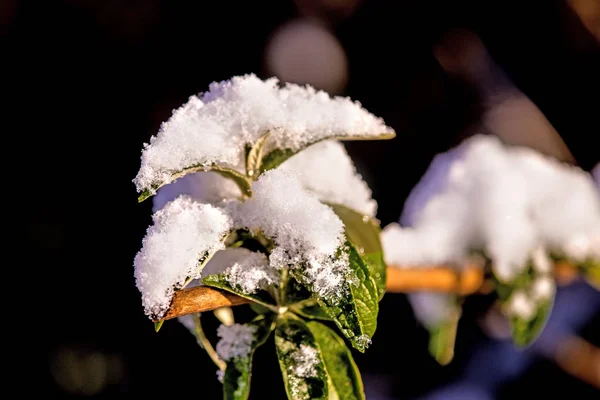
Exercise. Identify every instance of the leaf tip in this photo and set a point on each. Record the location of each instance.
(158, 325)
(145, 194)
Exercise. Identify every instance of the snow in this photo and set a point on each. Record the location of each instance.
(305, 360)
(204, 187)
(504, 200)
(306, 232)
(327, 170)
(235, 341)
(251, 272)
(521, 305)
(182, 232)
(543, 288)
(596, 174)
(213, 127)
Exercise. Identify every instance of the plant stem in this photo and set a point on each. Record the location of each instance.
(205, 343)
(283, 286)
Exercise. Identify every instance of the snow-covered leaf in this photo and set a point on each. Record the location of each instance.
(306, 233)
(214, 127)
(364, 232)
(504, 200)
(184, 236)
(527, 302)
(345, 382)
(526, 330)
(236, 380)
(355, 312)
(302, 367)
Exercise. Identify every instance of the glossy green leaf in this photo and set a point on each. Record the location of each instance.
(344, 378)
(254, 156)
(238, 178)
(310, 309)
(302, 368)
(355, 313)
(236, 380)
(365, 233)
(220, 281)
(278, 156)
(275, 158)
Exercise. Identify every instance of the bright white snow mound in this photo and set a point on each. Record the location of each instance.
(214, 127)
(507, 201)
(182, 233)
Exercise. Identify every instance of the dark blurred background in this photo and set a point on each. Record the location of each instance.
(94, 79)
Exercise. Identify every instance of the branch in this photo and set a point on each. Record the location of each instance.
(399, 280)
(580, 359)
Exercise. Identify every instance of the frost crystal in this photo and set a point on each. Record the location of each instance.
(306, 232)
(305, 360)
(236, 341)
(214, 126)
(502, 199)
(181, 234)
(327, 170)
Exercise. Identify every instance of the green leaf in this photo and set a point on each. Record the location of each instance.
(344, 377)
(442, 338)
(259, 309)
(356, 312)
(254, 156)
(303, 370)
(310, 309)
(238, 178)
(524, 332)
(275, 158)
(278, 156)
(158, 325)
(236, 380)
(365, 233)
(220, 281)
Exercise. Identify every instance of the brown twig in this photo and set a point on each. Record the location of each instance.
(435, 279)
(399, 280)
(580, 359)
